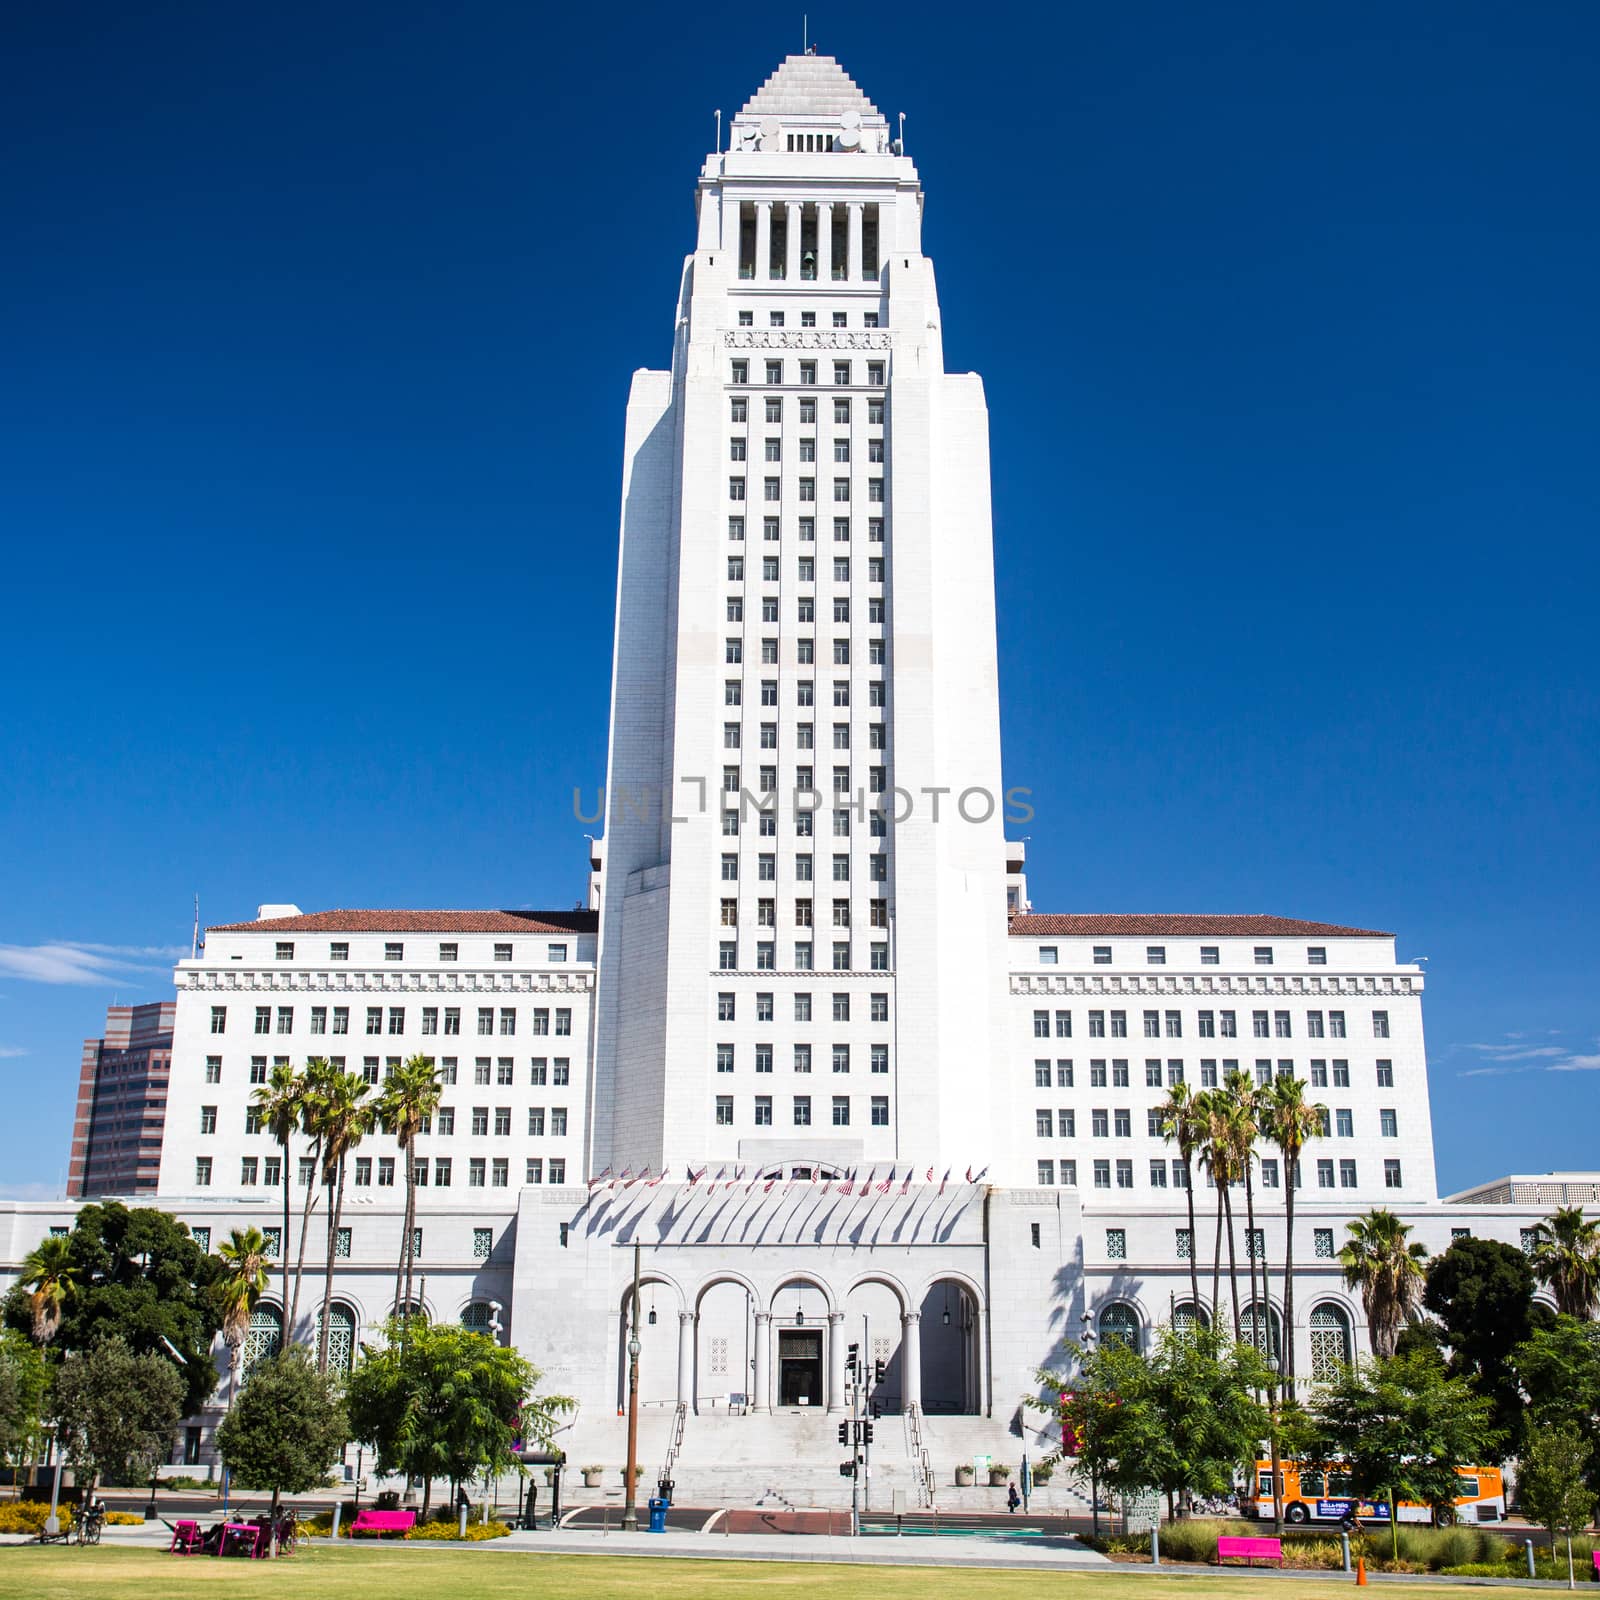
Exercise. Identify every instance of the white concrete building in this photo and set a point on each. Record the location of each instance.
(838, 1082)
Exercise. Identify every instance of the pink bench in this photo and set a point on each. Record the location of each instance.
(383, 1523)
(1248, 1549)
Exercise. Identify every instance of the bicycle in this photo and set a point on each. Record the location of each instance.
(89, 1525)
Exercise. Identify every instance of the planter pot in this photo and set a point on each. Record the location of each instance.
(591, 1480)
(963, 1477)
(998, 1480)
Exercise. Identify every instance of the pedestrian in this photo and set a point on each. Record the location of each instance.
(1013, 1499)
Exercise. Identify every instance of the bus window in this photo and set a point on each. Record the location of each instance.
(1339, 1486)
(1264, 1484)
(1311, 1486)
(1468, 1489)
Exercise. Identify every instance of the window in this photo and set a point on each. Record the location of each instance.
(452, 1020)
(1260, 1025)
(1344, 1123)
(1047, 1172)
(1263, 955)
(1341, 1074)
(263, 1019)
(724, 1058)
(1347, 1174)
(1314, 1025)
(1322, 1241)
(1336, 1024)
(1280, 1025)
(1391, 1174)
(1122, 1124)
(1386, 1074)
(1185, 1244)
(1102, 955)
(202, 1172)
(219, 1019)
(1330, 1343)
(393, 951)
(763, 1110)
(247, 1171)
(208, 1119)
(1116, 1244)
(1316, 955)
(724, 1110)
(802, 1109)
(1325, 1177)
(880, 1111)
(841, 1111)
(1155, 955)
(339, 950)
(1529, 1240)
(1380, 1024)
(1269, 1173)
(283, 951)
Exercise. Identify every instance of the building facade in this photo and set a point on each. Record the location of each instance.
(810, 1065)
(122, 1103)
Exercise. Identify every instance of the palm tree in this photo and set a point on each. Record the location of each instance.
(48, 1272)
(281, 1102)
(1388, 1271)
(1244, 1129)
(1217, 1112)
(342, 1117)
(1181, 1125)
(314, 1081)
(244, 1255)
(1289, 1122)
(1566, 1259)
(408, 1103)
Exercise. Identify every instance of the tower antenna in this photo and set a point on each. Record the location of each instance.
(719, 131)
(805, 34)
(194, 941)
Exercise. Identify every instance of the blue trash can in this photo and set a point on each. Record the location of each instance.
(658, 1515)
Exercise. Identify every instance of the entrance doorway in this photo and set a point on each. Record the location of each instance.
(800, 1367)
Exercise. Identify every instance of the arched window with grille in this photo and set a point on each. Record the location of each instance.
(341, 1337)
(479, 1316)
(265, 1337)
(415, 1308)
(1330, 1343)
(1261, 1326)
(1120, 1324)
(1186, 1316)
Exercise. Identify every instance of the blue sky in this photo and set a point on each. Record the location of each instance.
(317, 332)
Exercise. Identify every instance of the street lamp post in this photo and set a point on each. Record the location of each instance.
(1086, 1340)
(52, 1523)
(630, 1511)
(1277, 1467)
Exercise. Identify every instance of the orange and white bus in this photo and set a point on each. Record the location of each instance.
(1324, 1494)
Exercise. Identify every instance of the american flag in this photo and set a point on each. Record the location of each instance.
(884, 1184)
(595, 1182)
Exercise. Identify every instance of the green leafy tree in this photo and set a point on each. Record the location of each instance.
(281, 1102)
(1403, 1424)
(1181, 1125)
(1566, 1259)
(1554, 1481)
(1379, 1260)
(443, 1401)
(1289, 1120)
(287, 1428)
(138, 1275)
(244, 1276)
(1181, 1419)
(24, 1388)
(407, 1104)
(1481, 1291)
(1559, 1370)
(117, 1410)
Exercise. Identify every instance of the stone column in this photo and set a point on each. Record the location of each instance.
(763, 241)
(911, 1360)
(792, 241)
(824, 241)
(835, 1361)
(852, 265)
(763, 1383)
(686, 1322)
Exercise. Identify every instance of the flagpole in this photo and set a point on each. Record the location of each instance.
(630, 1510)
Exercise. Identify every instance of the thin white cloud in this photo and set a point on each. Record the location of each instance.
(1516, 1052)
(1491, 1072)
(10, 1051)
(1576, 1064)
(72, 961)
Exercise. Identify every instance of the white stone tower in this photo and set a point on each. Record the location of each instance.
(802, 904)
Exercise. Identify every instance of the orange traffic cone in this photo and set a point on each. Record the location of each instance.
(1361, 1572)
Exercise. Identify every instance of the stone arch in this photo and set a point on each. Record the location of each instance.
(1184, 1314)
(1332, 1339)
(875, 1307)
(889, 1281)
(797, 1280)
(1120, 1319)
(658, 1339)
(723, 1331)
(950, 1332)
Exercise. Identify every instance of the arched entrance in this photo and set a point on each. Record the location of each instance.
(658, 1343)
(948, 1334)
(724, 1355)
(875, 1320)
(802, 1323)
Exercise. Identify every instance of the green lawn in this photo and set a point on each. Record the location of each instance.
(481, 1574)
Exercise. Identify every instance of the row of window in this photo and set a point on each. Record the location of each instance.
(878, 1053)
(556, 1070)
(1118, 1123)
(808, 319)
(805, 490)
(1209, 1024)
(1105, 1169)
(395, 950)
(482, 1173)
(806, 528)
(843, 959)
(727, 1006)
(772, 448)
(800, 1106)
(392, 1019)
(767, 913)
(1115, 1073)
(1155, 955)
(446, 1120)
(805, 692)
(845, 374)
(805, 611)
(805, 736)
(767, 867)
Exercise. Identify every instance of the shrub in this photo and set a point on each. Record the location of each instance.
(125, 1519)
(451, 1529)
(28, 1516)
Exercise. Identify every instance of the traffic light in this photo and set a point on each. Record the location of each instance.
(879, 1368)
(847, 1469)
(844, 1433)
(877, 1410)
(852, 1359)
(866, 1433)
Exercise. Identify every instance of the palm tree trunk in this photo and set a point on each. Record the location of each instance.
(1259, 1309)
(305, 1232)
(411, 1227)
(1233, 1260)
(335, 1207)
(1289, 1170)
(1194, 1259)
(405, 1241)
(283, 1243)
(1216, 1254)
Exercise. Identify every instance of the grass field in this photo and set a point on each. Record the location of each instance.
(108, 1573)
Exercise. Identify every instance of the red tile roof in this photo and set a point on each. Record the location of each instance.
(1179, 924)
(421, 922)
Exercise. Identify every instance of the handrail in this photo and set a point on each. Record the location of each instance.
(680, 1414)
